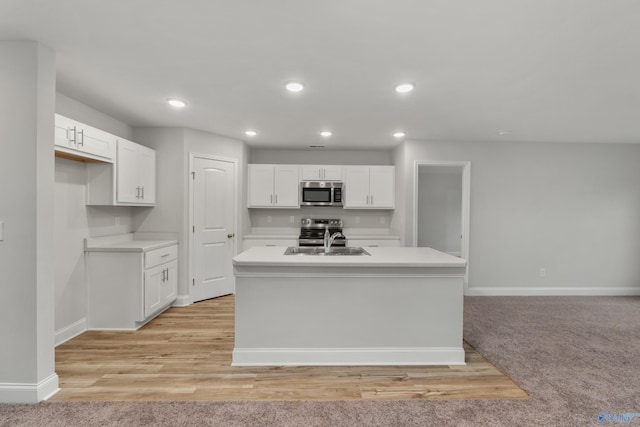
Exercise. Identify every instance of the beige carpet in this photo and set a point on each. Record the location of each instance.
(577, 357)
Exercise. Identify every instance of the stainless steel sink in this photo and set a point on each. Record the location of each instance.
(337, 251)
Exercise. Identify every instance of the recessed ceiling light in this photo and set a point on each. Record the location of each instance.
(326, 133)
(294, 86)
(399, 134)
(503, 132)
(176, 103)
(250, 132)
(405, 87)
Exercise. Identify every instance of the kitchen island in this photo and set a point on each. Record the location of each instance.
(396, 306)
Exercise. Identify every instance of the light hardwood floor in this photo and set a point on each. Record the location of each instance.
(185, 354)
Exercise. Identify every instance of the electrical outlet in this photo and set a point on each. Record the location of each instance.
(543, 272)
(382, 220)
(269, 219)
(292, 219)
(356, 220)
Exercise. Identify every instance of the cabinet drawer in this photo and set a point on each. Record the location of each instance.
(159, 256)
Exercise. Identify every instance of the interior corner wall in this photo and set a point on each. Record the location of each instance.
(167, 216)
(74, 221)
(570, 209)
(27, 105)
(404, 195)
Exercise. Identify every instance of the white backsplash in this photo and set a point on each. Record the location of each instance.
(351, 218)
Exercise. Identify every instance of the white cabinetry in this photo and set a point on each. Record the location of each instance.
(160, 279)
(136, 173)
(250, 243)
(128, 288)
(372, 243)
(78, 141)
(321, 173)
(131, 182)
(369, 187)
(273, 186)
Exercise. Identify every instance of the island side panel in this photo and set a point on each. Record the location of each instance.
(373, 319)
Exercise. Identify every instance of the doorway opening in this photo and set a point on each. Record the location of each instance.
(441, 207)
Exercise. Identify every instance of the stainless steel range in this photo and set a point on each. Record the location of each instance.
(312, 232)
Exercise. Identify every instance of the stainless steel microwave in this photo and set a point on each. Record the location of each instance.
(321, 193)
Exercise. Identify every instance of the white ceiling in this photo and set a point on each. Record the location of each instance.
(547, 70)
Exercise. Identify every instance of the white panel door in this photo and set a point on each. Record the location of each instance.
(213, 233)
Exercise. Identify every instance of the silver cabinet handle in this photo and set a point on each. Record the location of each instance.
(271, 199)
(276, 199)
(137, 192)
(142, 192)
(81, 139)
(165, 255)
(74, 134)
(367, 199)
(372, 199)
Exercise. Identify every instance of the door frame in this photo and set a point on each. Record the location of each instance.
(466, 204)
(190, 250)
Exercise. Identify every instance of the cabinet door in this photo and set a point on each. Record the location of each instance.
(64, 132)
(147, 174)
(356, 183)
(153, 284)
(332, 173)
(96, 142)
(83, 141)
(286, 186)
(260, 186)
(128, 187)
(169, 286)
(311, 173)
(381, 187)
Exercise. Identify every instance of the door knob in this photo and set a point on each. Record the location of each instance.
(230, 235)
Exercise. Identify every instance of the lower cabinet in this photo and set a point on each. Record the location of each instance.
(250, 243)
(127, 289)
(373, 243)
(160, 287)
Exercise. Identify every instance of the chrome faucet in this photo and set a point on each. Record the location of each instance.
(328, 239)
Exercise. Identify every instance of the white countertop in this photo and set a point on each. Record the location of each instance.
(124, 243)
(380, 257)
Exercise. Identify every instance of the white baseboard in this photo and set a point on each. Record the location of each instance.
(182, 301)
(29, 393)
(347, 356)
(71, 331)
(529, 291)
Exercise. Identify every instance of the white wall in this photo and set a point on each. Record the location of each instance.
(74, 222)
(27, 105)
(572, 209)
(440, 208)
(319, 157)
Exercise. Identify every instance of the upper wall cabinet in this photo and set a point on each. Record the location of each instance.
(321, 173)
(132, 182)
(78, 141)
(273, 186)
(369, 187)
